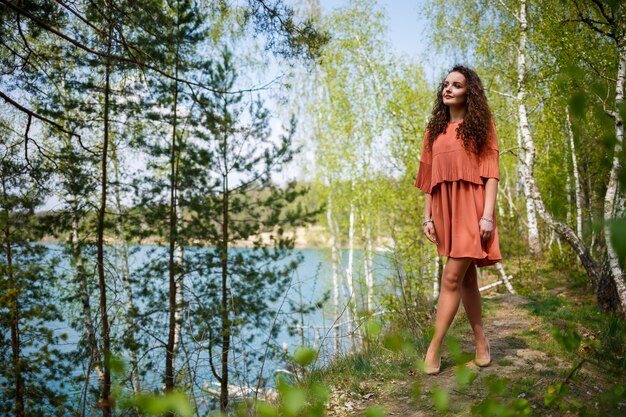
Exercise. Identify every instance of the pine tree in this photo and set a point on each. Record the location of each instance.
(233, 199)
(34, 370)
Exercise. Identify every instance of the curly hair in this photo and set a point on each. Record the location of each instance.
(477, 121)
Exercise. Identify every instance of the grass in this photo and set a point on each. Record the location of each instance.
(376, 363)
(558, 298)
(603, 332)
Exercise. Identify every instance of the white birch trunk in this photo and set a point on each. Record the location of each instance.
(436, 277)
(523, 133)
(367, 264)
(577, 188)
(349, 271)
(180, 299)
(568, 192)
(369, 272)
(527, 144)
(123, 252)
(506, 191)
(611, 197)
(335, 268)
(83, 286)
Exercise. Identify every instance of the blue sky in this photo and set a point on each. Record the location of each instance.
(407, 33)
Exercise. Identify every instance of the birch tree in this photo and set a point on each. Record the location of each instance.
(609, 20)
(550, 53)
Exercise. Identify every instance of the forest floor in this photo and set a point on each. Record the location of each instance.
(527, 361)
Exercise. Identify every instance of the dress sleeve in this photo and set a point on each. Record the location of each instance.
(424, 172)
(489, 164)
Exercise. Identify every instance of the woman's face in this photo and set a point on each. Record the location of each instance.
(454, 90)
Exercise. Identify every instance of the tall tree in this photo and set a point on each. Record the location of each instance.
(230, 191)
(33, 369)
(533, 35)
(608, 18)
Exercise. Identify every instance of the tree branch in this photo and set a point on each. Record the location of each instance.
(603, 12)
(590, 23)
(117, 58)
(596, 70)
(510, 11)
(31, 113)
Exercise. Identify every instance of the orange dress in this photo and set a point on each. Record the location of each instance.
(456, 178)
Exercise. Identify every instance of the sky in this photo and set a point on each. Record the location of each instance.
(408, 36)
(407, 33)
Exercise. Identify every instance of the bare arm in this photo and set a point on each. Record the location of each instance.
(491, 191)
(427, 202)
(485, 226)
(429, 228)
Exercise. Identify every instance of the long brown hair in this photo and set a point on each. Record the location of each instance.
(477, 121)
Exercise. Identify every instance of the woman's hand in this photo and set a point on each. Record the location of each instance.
(429, 231)
(485, 226)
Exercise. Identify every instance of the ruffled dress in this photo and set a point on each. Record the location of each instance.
(456, 179)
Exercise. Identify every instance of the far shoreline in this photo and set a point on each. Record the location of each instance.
(311, 237)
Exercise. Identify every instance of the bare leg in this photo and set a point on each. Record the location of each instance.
(448, 305)
(473, 308)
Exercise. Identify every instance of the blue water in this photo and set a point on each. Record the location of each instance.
(309, 282)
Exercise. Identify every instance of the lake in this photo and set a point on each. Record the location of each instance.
(310, 280)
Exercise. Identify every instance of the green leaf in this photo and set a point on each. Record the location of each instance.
(319, 392)
(577, 103)
(567, 337)
(496, 385)
(393, 342)
(293, 400)
(304, 355)
(618, 231)
(554, 393)
(464, 376)
(265, 410)
(441, 398)
(157, 405)
(522, 405)
(373, 328)
(375, 411)
(117, 365)
(458, 356)
(416, 390)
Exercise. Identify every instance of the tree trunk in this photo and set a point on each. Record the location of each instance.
(180, 296)
(225, 317)
(437, 278)
(173, 238)
(14, 307)
(565, 232)
(577, 188)
(123, 253)
(505, 278)
(81, 278)
(105, 401)
(528, 155)
(335, 261)
(349, 274)
(367, 259)
(95, 360)
(611, 197)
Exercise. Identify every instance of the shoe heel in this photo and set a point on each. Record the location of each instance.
(433, 371)
(484, 362)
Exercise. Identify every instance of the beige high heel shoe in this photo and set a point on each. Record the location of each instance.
(431, 370)
(484, 362)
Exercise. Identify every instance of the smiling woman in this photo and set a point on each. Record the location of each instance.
(454, 89)
(459, 175)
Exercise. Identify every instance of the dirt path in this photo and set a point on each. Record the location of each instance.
(511, 357)
(511, 330)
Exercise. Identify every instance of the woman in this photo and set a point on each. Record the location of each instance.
(459, 173)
